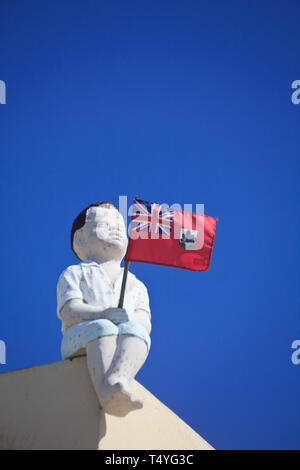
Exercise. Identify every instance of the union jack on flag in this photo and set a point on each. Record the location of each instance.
(150, 217)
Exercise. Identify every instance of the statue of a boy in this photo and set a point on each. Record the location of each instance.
(116, 340)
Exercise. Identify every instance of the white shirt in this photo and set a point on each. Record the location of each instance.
(90, 282)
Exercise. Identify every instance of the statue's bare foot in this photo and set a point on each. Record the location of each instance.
(117, 400)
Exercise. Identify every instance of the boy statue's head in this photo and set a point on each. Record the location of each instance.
(99, 232)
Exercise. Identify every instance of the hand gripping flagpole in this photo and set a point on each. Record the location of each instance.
(125, 273)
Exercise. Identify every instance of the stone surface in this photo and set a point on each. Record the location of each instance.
(54, 406)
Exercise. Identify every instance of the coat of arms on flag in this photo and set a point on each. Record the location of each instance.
(188, 238)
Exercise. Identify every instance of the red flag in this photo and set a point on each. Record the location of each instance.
(171, 238)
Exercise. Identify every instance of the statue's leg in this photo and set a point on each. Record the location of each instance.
(100, 353)
(112, 364)
(131, 352)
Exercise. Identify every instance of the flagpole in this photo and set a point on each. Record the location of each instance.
(122, 294)
(125, 273)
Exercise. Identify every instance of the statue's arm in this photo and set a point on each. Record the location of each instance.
(142, 313)
(142, 317)
(72, 309)
(76, 311)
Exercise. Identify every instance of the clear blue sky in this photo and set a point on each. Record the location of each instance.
(186, 102)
